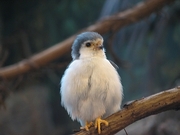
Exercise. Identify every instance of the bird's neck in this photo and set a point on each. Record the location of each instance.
(100, 54)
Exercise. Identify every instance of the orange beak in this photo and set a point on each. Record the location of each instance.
(98, 44)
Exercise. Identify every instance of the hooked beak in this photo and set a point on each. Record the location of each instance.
(100, 46)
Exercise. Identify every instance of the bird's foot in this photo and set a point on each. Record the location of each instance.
(87, 126)
(98, 122)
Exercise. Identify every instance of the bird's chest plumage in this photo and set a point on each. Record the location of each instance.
(89, 88)
(95, 74)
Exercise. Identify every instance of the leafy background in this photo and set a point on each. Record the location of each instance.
(147, 53)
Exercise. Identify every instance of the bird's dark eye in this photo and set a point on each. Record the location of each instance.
(88, 44)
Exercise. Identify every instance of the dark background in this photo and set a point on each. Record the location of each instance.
(147, 52)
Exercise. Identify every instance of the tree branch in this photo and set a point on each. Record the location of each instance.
(157, 103)
(111, 23)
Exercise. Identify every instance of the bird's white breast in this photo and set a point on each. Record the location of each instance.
(91, 88)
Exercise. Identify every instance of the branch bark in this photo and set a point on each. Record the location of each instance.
(160, 102)
(112, 23)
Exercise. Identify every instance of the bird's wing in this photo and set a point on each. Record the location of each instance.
(114, 65)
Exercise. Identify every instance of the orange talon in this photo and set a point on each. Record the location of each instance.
(98, 122)
(87, 126)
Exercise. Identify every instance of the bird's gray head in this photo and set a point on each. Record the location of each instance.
(88, 40)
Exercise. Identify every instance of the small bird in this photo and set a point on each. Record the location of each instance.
(90, 87)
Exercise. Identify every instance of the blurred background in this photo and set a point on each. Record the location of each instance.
(147, 53)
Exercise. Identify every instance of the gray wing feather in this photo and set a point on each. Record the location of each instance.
(114, 65)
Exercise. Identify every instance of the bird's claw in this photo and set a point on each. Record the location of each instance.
(98, 122)
(87, 126)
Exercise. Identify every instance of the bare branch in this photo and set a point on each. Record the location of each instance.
(157, 103)
(111, 23)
